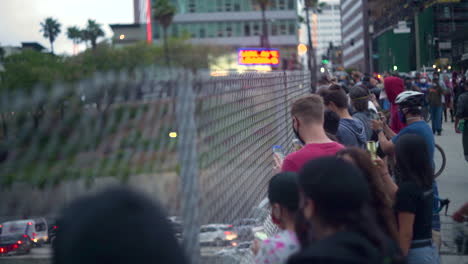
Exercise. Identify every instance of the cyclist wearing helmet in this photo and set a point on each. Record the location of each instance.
(410, 105)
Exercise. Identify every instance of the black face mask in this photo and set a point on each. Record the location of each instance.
(296, 133)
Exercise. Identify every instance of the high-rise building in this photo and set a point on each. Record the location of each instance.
(231, 23)
(355, 34)
(328, 28)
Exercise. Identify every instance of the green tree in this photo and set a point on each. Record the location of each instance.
(50, 29)
(163, 12)
(92, 32)
(263, 4)
(2, 53)
(74, 34)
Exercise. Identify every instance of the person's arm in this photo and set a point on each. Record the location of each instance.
(392, 188)
(385, 144)
(388, 131)
(405, 231)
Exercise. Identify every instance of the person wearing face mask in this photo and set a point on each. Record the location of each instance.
(283, 194)
(308, 119)
(410, 106)
(335, 206)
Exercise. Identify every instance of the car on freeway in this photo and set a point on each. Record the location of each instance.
(217, 235)
(236, 249)
(247, 227)
(35, 229)
(15, 244)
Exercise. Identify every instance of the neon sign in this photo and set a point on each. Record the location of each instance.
(253, 56)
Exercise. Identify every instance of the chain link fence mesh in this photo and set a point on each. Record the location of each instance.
(199, 145)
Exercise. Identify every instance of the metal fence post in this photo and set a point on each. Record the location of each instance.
(187, 154)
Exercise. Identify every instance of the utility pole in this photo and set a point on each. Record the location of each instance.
(313, 70)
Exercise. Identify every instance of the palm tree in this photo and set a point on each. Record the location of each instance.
(163, 12)
(264, 43)
(92, 32)
(74, 34)
(50, 30)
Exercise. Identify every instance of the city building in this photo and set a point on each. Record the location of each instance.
(328, 28)
(233, 24)
(128, 34)
(355, 34)
(410, 35)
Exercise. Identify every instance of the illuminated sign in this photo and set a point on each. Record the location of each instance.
(251, 57)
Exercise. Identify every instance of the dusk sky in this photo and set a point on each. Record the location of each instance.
(19, 19)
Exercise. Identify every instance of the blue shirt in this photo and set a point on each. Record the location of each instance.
(422, 129)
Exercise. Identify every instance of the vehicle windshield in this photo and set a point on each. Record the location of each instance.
(14, 228)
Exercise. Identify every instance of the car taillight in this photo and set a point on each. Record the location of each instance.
(25, 236)
(30, 223)
(34, 234)
(55, 227)
(227, 233)
(2, 250)
(15, 246)
(19, 242)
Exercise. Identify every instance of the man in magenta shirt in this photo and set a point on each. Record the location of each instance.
(308, 116)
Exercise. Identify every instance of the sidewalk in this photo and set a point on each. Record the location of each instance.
(453, 183)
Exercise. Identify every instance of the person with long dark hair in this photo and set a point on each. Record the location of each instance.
(283, 194)
(414, 199)
(382, 188)
(335, 205)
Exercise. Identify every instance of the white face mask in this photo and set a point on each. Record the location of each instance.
(423, 80)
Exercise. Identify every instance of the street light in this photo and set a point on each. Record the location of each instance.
(322, 69)
(122, 37)
(449, 67)
(434, 66)
(395, 67)
(301, 49)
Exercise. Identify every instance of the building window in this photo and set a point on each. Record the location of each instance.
(256, 29)
(227, 6)
(237, 7)
(219, 5)
(281, 5)
(273, 5)
(282, 28)
(211, 28)
(229, 30)
(192, 6)
(292, 27)
(247, 29)
(220, 30)
(290, 4)
(237, 29)
(274, 29)
(202, 33)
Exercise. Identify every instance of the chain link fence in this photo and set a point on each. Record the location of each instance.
(199, 145)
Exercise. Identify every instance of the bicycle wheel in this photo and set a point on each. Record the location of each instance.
(440, 160)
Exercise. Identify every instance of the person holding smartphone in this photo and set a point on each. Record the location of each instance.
(308, 119)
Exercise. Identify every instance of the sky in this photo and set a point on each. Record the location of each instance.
(20, 19)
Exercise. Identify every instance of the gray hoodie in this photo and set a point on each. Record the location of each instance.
(351, 133)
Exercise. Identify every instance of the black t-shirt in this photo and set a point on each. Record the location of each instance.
(412, 198)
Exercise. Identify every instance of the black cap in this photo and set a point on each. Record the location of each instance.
(284, 190)
(335, 185)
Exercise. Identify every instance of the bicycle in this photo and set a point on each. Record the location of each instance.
(443, 160)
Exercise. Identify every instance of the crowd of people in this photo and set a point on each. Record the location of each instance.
(361, 189)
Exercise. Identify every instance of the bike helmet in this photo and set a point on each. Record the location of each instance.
(409, 98)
